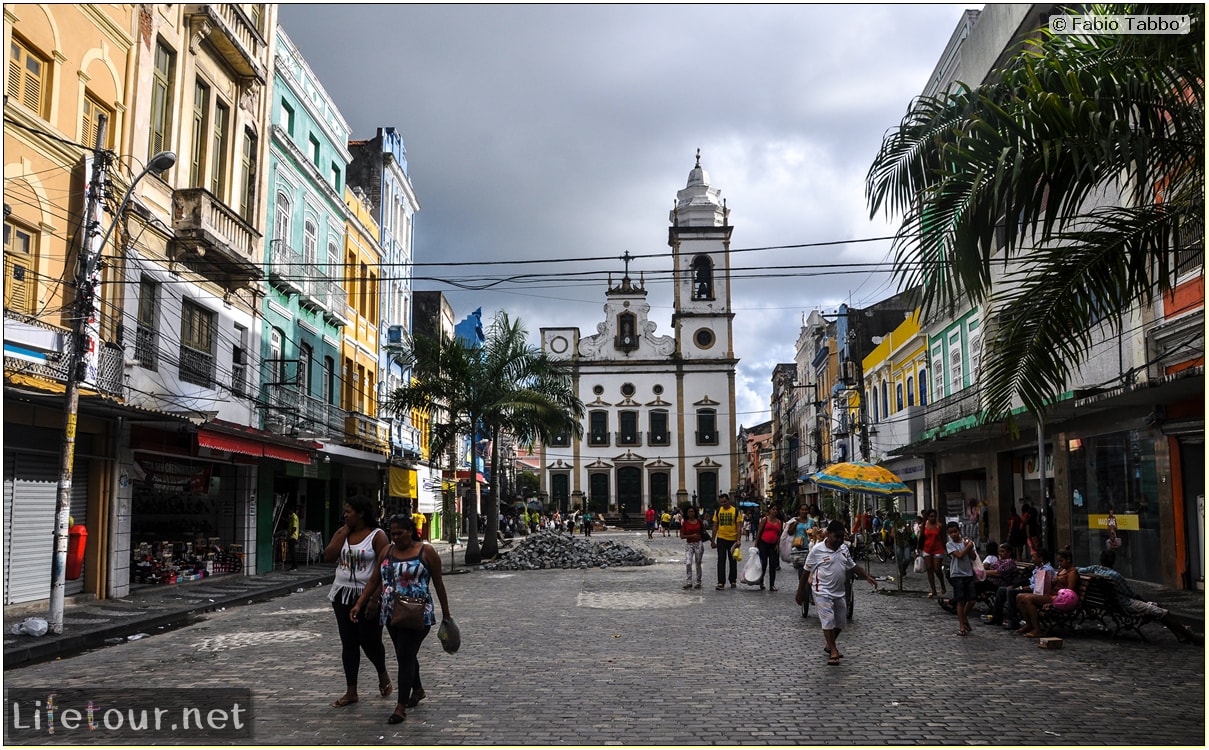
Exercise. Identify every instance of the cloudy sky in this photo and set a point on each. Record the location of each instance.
(561, 133)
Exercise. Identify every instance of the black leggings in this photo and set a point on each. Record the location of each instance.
(770, 560)
(407, 648)
(356, 637)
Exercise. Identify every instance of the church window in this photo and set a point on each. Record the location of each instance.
(703, 278)
(658, 423)
(598, 428)
(627, 423)
(627, 390)
(704, 338)
(707, 427)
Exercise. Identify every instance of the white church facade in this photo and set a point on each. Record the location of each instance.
(660, 421)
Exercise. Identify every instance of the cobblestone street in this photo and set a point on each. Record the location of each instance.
(625, 656)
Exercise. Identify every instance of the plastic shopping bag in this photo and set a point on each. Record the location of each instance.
(919, 564)
(980, 571)
(751, 569)
(785, 546)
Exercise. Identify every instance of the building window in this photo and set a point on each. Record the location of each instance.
(598, 428)
(658, 422)
(707, 427)
(305, 355)
(598, 492)
(938, 374)
(560, 439)
(885, 398)
(287, 117)
(197, 344)
(146, 334)
(200, 134)
(955, 364)
(247, 192)
(898, 397)
(281, 220)
(310, 246)
(329, 380)
(923, 386)
(161, 99)
(910, 391)
(218, 156)
(336, 177)
(703, 278)
(91, 120)
(27, 77)
(975, 343)
(20, 270)
(314, 149)
(876, 417)
(627, 423)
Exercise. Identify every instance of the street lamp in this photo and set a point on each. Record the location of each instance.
(86, 282)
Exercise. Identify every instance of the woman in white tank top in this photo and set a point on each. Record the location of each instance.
(354, 548)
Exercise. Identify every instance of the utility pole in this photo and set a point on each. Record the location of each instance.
(82, 320)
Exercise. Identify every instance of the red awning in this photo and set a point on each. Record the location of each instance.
(250, 447)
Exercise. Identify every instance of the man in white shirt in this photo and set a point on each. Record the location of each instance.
(826, 573)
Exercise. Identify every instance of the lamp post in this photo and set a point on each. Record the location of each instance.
(82, 344)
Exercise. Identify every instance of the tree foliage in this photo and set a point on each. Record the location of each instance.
(505, 385)
(1078, 168)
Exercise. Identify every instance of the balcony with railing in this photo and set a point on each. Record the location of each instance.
(196, 366)
(284, 266)
(229, 30)
(210, 228)
(33, 347)
(628, 438)
(365, 432)
(320, 420)
(659, 438)
(965, 403)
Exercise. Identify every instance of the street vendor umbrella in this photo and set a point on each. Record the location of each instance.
(857, 476)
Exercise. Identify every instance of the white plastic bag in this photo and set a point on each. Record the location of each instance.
(751, 567)
(785, 546)
(919, 564)
(979, 569)
(35, 626)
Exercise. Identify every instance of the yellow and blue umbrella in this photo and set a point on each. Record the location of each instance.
(857, 476)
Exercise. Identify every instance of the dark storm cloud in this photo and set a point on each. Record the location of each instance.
(558, 132)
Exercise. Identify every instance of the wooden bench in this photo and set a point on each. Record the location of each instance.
(1122, 619)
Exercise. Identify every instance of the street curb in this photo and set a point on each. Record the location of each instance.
(68, 645)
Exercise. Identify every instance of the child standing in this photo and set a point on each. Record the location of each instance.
(961, 574)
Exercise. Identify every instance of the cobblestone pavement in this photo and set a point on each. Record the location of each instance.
(625, 656)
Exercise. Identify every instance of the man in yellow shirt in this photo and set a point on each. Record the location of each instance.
(727, 528)
(419, 519)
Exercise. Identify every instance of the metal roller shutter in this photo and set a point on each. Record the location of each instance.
(31, 482)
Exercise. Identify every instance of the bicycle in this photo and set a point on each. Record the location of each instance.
(849, 599)
(883, 551)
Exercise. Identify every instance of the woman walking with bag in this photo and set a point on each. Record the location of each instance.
(404, 570)
(355, 548)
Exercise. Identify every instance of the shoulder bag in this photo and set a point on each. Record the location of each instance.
(408, 611)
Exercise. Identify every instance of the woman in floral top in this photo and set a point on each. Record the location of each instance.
(404, 569)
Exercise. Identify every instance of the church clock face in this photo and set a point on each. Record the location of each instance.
(703, 338)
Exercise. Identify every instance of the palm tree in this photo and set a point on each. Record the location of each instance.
(504, 385)
(1093, 148)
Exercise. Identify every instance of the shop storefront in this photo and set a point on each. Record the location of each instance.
(1115, 476)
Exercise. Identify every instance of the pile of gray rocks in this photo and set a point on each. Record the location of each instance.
(549, 549)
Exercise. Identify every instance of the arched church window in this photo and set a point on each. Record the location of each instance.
(703, 278)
